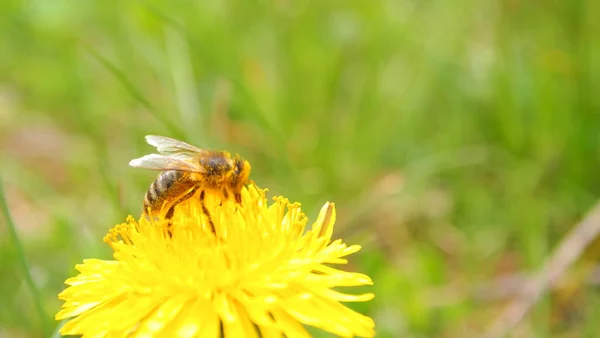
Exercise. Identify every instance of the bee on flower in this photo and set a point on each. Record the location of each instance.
(187, 171)
(251, 269)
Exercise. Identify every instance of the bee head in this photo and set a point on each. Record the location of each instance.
(241, 171)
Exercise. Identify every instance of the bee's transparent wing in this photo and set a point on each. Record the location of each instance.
(173, 162)
(169, 146)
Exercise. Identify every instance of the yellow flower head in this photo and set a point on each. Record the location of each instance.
(258, 274)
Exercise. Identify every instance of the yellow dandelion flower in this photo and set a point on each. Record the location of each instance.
(259, 275)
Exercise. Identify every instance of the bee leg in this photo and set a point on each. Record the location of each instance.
(171, 211)
(238, 197)
(207, 213)
(225, 195)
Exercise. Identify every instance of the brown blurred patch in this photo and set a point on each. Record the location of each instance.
(508, 263)
(556, 61)
(220, 124)
(8, 105)
(6, 332)
(448, 238)
(42, 147)
(254, 72)
(377, 211)
(222, 127)
(29, 219)
(398, 215)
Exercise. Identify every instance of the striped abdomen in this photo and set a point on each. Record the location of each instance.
(168, 187)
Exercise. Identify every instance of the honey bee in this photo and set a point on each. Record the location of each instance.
(187, 171)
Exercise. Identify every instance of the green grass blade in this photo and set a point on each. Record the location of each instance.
(133, 91)
(12, 232)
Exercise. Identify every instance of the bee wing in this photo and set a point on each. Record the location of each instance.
(173, 162)
(169, 146)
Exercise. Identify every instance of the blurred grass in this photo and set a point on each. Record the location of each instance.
(459, 140)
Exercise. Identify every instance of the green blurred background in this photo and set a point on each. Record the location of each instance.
(458, 139)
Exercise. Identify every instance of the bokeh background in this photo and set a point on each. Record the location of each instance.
(459, 139)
